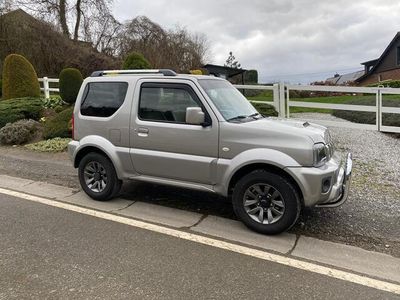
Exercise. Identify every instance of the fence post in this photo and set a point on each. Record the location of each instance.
(276, 96)
(46, 87)
(379, 109)
(282, 107)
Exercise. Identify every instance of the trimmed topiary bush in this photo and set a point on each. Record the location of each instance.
(265, 109)
(59, 126)
(70, 82)
(19, 78)
(19, 132)
(196, 72)
(136, 61)
(251, 76)
(13, 110)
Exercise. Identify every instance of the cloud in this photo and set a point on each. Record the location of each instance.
(297, 41)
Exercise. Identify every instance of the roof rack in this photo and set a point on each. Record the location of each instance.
(165, 72)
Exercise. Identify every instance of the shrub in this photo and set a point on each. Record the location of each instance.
(196, 72)
(136, 61)
(369, 117)
(265, 109)
(53, 145)
(13, 110)
(1, 89)
(387, 83)
(251, 76)
(19, 78)
(19, 132)
(52, 102)
(59, 126)
(70, 82)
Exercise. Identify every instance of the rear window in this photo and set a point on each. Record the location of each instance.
(103, 99)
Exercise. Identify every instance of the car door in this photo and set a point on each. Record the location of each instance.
(162, 143)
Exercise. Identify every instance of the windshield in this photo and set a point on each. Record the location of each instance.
(229, 101)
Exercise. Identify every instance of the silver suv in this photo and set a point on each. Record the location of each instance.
(199, 132)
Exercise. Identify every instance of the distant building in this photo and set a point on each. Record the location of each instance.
(232, 74)
(386, 67)
(345, 79)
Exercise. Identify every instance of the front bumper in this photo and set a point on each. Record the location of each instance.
(343, 185)
(338, 171)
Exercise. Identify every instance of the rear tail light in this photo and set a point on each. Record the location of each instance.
(73, 126)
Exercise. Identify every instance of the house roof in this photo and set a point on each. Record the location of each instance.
(345, 78)
(230, 72)
(370, 62)
(380, 59)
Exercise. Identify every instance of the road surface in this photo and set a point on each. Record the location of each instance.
(49, 252)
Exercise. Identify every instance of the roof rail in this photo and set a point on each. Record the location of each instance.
(165, 72)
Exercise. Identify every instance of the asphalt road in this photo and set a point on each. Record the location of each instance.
(47, 252)
(345, 224)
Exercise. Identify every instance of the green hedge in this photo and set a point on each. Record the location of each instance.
(19, 78)
(59, 126)
(70, 82)
(13, 110)
(387, 83)
(265, 109)
(369, 117)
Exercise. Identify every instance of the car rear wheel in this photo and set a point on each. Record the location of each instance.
(98, 178)
(266, 202)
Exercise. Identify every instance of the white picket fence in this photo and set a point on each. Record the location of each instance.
(45, 86)
(282, 103)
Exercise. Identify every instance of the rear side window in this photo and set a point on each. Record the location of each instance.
(103, 99)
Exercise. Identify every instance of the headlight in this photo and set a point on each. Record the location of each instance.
(320, 154)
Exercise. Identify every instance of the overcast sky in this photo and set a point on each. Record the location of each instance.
(290, 40)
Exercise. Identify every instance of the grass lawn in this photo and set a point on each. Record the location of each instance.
(369, 100)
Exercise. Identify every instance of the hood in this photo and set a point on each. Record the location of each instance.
(316, 133)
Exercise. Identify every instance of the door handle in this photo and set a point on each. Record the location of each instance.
(142, 131)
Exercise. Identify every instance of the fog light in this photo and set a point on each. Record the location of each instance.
(326, 185)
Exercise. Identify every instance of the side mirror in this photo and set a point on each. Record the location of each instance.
(195, 116)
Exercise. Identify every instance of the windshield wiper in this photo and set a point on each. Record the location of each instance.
(241, 117)
(255, 115)
(237, 118)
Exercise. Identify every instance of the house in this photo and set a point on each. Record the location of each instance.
(234, 75)
(345, 79)
(386, 67)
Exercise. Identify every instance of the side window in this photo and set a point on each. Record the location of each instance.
(103, 99)
(168, 103)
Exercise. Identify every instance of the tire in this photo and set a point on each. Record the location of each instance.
(271, 193)
(95, 167)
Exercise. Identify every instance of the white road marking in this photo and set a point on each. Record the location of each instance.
(283, 260)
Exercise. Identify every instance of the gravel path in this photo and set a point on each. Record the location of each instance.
(369, 219)
(372, 214)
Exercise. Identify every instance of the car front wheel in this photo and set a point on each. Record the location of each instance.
(266, 202)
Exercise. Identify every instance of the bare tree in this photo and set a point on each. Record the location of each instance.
(177, 49)
(70, 15)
